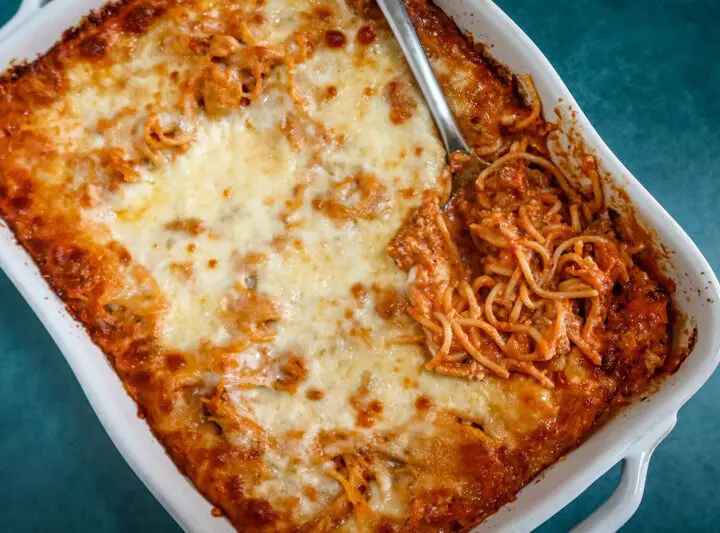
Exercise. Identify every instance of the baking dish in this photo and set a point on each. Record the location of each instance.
(631, 437)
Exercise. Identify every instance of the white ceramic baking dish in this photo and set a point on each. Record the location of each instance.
(630, 437)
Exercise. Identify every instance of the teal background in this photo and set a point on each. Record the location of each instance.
(646, 72)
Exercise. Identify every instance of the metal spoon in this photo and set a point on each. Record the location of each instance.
(464, 164)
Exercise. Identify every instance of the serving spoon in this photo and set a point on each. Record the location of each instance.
(465, 166)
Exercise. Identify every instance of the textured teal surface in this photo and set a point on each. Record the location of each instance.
(646, 72)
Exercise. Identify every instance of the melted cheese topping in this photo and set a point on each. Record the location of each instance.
(192, 220)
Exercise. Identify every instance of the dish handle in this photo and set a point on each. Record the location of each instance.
(26, 9)
(623, 503)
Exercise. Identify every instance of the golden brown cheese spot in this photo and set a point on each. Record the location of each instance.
(79, 269)
(251, 313)
(367, 410)
(402, 103)
(366, 35)
(93, 47)
(220, 91)
(314, 394)
(139, 18)
(390, 303)
(363, 334)
(323, 13)
(359, 291)
(175, 361)
(408, 193)
(295, 434)
(366, 9)
(432, 508)
(293, 203)
(116, 167)
(253, 258)
(357, 197)
(257, 514)
(424, 403)
(409, 383)
(46, 83)
(191, 226)
(184, 270)
(120, 251)
(292, 371)
(17, 188)
(389, 525)
(310, 493)
(157, 137)
(335, 38)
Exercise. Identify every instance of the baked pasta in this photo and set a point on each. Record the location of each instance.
(240, 201)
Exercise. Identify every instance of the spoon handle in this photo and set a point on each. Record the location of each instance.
(399, 20)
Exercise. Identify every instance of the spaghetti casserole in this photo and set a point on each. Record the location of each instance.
(240, 201)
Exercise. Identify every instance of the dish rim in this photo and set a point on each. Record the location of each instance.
(647, 424)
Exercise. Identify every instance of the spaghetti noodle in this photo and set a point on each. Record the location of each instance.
(527, 266)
